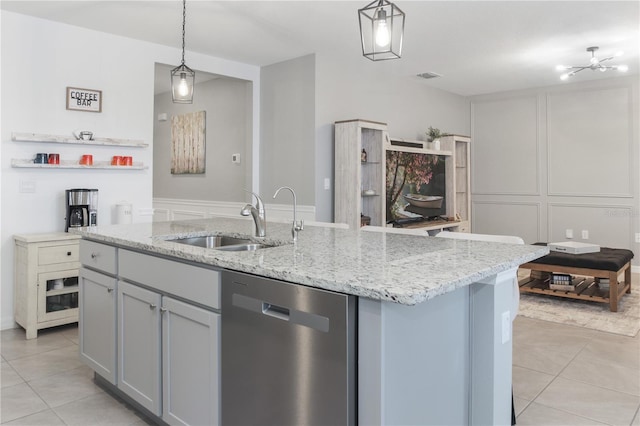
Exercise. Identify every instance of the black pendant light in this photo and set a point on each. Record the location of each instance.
(182, 77)
(381, 30)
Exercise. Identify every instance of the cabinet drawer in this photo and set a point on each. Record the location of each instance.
(196, 284)
(98, 256)
(58, 254)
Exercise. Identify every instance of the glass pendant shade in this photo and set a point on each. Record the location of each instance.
(182, 81)
(381, 30)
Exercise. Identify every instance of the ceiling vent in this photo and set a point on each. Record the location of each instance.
(428, 75)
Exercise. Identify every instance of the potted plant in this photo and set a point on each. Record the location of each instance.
(433, 136)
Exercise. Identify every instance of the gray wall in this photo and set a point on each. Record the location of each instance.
(360, 88)
(557, 158)
(287, 113)
(227, 103)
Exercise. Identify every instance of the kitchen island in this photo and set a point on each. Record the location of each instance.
(433, 317)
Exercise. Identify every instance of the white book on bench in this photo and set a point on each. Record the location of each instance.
(574, 247)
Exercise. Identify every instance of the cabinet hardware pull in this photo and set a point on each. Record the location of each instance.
(109, 290)
(152, 306)
(94, 255)
(163, 310)
(68, 253)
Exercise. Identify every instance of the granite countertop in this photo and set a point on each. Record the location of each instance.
(406, 269)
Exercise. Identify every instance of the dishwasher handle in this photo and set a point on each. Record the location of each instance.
(291, 315)
(275, 311)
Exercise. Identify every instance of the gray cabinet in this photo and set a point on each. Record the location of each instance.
(190, 364)
(139, 345)
(168, 356)
(97, 324)
(169, 359)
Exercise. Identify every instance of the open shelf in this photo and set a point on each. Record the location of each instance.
(35, 137)
(102, 165)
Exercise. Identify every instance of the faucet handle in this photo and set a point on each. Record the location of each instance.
(299, 226)
(259, 203)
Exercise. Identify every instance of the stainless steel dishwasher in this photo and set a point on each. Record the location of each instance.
(288, 353)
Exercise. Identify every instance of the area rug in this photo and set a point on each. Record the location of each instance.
(580, 313)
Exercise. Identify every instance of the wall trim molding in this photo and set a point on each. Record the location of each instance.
(536, 98)
(630, 141)
(593, 206)
(537, 205)
(165, 209)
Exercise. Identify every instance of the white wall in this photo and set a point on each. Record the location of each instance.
(39, 60)
(556, 158)
(287, 129)
(227, 103)
(360, 88)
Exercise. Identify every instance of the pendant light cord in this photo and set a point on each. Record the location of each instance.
(184, 18)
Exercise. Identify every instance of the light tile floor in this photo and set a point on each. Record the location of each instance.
(44, 383)
(562, 375)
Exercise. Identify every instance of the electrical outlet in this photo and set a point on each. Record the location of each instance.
(568, 233)
(637, 237)
(235, 158)
(585, 234)
(327, 183)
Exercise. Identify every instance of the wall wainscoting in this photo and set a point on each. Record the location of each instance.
(176, 209)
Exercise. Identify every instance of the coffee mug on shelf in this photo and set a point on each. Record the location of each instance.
(41, 158)
(127, 161)
(86, 160)
(54, 158)
(116, 160)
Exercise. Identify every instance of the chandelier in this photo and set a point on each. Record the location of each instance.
(381, 30)
(594, 64)
(182, 77)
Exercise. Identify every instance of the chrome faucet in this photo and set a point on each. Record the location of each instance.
(295, 227)
(258, 213)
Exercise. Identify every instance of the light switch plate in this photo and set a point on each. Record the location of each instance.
(27, 186)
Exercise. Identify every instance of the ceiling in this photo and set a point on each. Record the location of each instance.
(477, 46)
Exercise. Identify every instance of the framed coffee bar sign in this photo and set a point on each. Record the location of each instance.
(84, 99)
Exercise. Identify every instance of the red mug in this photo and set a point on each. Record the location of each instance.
(116, 160)
(54, 158)
(86, 160)
(127, 161)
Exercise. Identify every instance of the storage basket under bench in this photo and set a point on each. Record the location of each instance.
(589, 269)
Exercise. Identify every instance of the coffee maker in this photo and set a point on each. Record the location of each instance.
(82, 208)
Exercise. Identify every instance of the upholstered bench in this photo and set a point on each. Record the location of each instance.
(589, 269)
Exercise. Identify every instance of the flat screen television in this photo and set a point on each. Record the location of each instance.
(415, 186)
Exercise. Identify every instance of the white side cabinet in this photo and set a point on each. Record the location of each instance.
(45, 281)
(98, 289)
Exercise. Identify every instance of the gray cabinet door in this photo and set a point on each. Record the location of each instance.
(97, 323)
(191, 364)
(139, 345)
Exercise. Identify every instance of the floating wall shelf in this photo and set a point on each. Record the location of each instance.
(35, 137)
(104, 165)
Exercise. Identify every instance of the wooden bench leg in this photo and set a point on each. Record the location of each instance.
(613, 292)
(627, 277)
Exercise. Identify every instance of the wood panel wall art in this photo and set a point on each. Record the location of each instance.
(188, 142)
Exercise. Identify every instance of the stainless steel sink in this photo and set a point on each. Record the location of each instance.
(221, 242)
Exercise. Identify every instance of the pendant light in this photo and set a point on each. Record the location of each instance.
(381, 30)
(182, 77)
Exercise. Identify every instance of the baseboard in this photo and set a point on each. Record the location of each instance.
(8, 323)
(176, 209)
